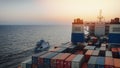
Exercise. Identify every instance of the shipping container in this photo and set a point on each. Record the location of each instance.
(60, 60)
(92, 62)
(118, 49)
(119, 52)
(102, 53)
(94, 39)
(79, 52)
(35, 57)
(103, 45)
(48, 59)
(116, 63)
(34, 65)
(97, 48)
(100, 62)
(27, 64)
(41, 60)
(84, 65)
(90, 43)
(95, 53)
(108, 54)
(114, 49)
(88, 54)
(88, 48)
(115, 53)
(54, 59)
(102, 48)
(109, 62)
(91, 47)
(77, 61)
(68, 61)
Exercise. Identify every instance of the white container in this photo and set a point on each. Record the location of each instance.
(95, 53)
(108, 54)
(77, 61)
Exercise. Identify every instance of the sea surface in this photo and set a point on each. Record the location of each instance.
(17, 42)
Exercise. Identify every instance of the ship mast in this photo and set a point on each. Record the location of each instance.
(100, 17)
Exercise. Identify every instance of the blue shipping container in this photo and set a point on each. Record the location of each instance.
(47, 60)
(42, 58)
(29, 64)
(100, 62)
(35, 57)
(92, 62)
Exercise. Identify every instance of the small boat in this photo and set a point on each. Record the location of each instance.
(41, 45)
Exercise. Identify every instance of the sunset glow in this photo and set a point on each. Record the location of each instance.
(58, 10)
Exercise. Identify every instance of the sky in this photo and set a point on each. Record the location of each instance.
(56, 11)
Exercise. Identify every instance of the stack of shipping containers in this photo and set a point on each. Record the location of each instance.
(68, 61)
(78, 61)
(92, 62)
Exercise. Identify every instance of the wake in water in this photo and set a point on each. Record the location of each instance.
(12, 60)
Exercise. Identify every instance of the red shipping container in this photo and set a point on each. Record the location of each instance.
(40, 59)
(84, 65)
(67, 62)
(60, 61)
(34, 66)
(88, 54)
(115, 52)
(95, 40)
(79, 52)
(116, 63)
(118, 49)
(53, 60)
(109, 62)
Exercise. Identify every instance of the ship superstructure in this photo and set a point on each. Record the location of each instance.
(77, 31)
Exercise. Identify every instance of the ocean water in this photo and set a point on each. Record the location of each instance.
(18, 41)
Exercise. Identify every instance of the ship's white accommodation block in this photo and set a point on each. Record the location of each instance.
(99, 29)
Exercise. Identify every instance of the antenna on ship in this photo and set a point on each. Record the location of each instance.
(100, 17)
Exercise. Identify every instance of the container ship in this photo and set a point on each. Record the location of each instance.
(100, 48)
